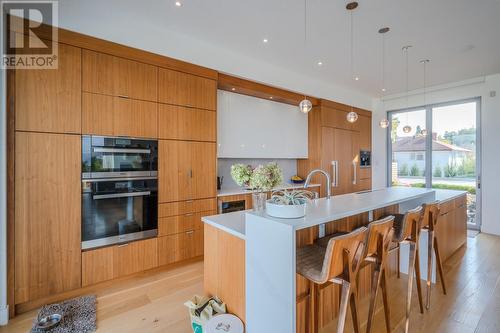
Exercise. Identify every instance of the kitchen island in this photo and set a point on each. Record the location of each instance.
(250, 257)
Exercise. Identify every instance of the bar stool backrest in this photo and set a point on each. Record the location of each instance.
(380, 229)
(431, 214)
(343, 253)
(410, 228)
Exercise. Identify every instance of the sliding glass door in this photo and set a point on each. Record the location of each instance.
(438, 146)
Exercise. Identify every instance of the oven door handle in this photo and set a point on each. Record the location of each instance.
(121, 150)
(120, 195)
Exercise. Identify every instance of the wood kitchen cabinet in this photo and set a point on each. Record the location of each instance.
(183, 123)
(365, 132)
(187, 170)
(49, 100)
(186, 90)
(115, 76)
(117, 116)
(342, 148)
(181, 246)
(119, 260)
(47, 214)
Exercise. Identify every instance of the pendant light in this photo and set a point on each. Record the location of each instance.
(384, 123)
(352, 116)
(407, 127)
(424, 63)
(305, 105)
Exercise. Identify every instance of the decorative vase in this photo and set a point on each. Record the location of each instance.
(259, 201)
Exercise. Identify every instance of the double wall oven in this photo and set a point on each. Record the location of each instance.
(119, 190)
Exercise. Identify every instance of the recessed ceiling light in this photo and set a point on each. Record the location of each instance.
(383, 89)
(178, 4)
(320, 63)
(233, 89)
(265, 40)
(356, 78)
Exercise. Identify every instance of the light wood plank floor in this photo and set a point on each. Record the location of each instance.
(154, 302)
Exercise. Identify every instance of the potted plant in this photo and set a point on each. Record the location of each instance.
(261, 179)
(288, 204)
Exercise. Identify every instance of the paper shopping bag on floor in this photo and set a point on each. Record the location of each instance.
(202, 309)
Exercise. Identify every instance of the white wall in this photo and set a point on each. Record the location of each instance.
(490, 136)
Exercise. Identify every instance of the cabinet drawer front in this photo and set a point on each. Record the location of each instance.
(365, 173)
(179, 247)
(185, 89)
(178, 122)
(186, 207)
(135, 257)
(109, 75)
(181, 223)
(97, 266)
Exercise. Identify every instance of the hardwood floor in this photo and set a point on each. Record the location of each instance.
(153, 302)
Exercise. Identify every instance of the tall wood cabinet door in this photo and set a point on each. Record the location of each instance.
(197, 175)
(110, 75)
(186, 89)
(49, 100)
(97, 114)
(183, 123)
(169, 186)
(365, 132)
(47, 215)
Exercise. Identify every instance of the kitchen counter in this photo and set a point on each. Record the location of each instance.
(240, 190)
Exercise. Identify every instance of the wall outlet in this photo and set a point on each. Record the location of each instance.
(493, 93)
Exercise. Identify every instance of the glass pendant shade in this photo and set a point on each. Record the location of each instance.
(384, 123)
(305, 106)
(352, 117)
(423, 132)
(407, 129)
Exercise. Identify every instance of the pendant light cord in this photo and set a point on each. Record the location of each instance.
(352, 46)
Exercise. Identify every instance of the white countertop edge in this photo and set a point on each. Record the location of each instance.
(329, 218)
(446, 195)
(241, 190)
(225, 221)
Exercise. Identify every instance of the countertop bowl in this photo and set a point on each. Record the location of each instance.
(285, 211)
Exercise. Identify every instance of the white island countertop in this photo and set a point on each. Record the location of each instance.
(324, 210)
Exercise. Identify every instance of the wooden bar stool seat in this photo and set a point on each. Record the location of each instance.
(431, 215)
(378, 240)
(338, 263)
(407, 230)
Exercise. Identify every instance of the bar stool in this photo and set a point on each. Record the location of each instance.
(407, 230)
(431, 215)
(337, 263)
(377, 242)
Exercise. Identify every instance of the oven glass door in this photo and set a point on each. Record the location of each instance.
(118, 211)
(120, 161)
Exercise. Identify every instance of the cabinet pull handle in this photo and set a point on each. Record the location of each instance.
(190, 214)
(123, 96)
(355, 175)
(123, 245)
(189, 201)
(335, 171)
(190, 232)
(190, 173)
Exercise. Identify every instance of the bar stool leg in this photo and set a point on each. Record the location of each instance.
(411, 267)
(314, 308)
(346, 290)
(430, 248)
(376, 276)
(418, 280)
(398, 258)
(386, 300)
(354, 310)
(439, 265)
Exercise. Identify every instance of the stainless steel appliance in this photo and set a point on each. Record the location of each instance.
(118, 210)
(119, 190)
(231, 206)
(365, 159)
(109, 157)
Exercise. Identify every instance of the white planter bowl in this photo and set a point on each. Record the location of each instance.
(285, 211)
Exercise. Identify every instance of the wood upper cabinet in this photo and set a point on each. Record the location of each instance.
(341, 147)
(364, 125)
(186, 170)
(183, 123)
(110, 75)
(335, 118)
(108, 115)
(186, 90)
(47, 214)
(49, 100)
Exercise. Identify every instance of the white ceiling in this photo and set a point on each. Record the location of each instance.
(460, 37)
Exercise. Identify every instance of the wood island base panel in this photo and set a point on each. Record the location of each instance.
(250, 257)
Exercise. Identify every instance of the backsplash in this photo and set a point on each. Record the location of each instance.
(289, 167)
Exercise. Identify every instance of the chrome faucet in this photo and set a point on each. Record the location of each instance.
(328, 181)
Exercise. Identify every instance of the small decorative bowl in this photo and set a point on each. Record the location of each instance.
(48, 322)
(285, 211)
(295, 181)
